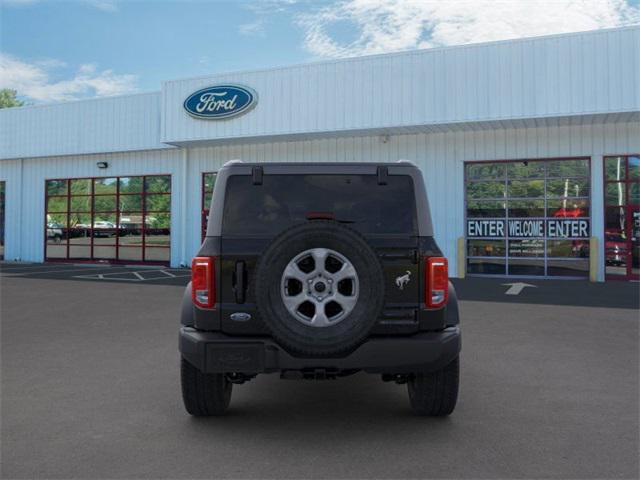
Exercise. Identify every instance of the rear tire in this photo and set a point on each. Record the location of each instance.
(435, 394)
(204, 394)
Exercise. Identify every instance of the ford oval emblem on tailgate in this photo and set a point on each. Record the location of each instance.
(220, 102)
(240, 317)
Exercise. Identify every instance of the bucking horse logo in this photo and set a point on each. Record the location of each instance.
(402, 280)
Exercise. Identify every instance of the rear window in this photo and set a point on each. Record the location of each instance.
(285, 200)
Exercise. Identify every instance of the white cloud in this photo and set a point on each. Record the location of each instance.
(381, 26)
(269, 7)
(255, 28)
(104, 5)
(34, 80)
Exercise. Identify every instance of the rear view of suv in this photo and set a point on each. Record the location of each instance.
(318, 271)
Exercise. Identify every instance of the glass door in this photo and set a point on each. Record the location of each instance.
(2, 186)
(622, 217)
(635, 242)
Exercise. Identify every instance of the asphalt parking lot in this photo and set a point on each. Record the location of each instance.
(90, 389)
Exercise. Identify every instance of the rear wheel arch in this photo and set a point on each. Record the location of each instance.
(452, 311)
(187, 313)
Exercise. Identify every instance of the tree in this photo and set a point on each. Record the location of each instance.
(8, 98)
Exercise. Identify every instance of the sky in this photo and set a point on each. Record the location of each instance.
(55, 50)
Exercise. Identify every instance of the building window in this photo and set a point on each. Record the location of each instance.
(125, 219)
(622, 217)
(2, 189)
(528, 218)
(208, 181)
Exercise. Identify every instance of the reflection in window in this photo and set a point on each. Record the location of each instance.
(56, 187)
(81, 252)
(155, 254)
(486, 248)
(485, 208)
(526, 208)
(488, 266)
(158, 220)
(2, 207)
(80, 220)
(130, 203)
(208, 182)
(526, 169)
(523, 267)
(105, 252)
(615, 219)
(131, 184)
(158, 184)
(105, 203)
(80, 186)
(485, 171)
(105, 186)
(564, 268)
(80, 204)
(526, 248)
(132, 254)
(57, 220)
(157, 203)
(634, 194)
(570, 187)
(485, 190)
(634, 168)
(568, 208)
(615, 168)
(568, 168)
(568, 248)
(538, 193)
(57, 204)
(622, 217)
(105, 219)
(615, 193)
(56, 250)
(526, 189)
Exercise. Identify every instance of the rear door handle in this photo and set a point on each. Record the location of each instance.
(240, 283)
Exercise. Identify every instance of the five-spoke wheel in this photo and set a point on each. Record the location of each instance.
(319, 287)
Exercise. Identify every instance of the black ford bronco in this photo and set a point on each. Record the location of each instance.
(319, 271)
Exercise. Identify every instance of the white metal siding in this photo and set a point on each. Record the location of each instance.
(11, 174)
(558, 76)
(441, 157)
(113, 124)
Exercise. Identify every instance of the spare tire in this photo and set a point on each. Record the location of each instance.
(319, 289)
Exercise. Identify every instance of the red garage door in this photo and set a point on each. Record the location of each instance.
(115, 219)
(622, 217)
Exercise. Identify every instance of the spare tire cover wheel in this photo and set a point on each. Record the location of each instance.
(319, 288)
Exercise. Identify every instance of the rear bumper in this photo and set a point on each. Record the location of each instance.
(213, 352)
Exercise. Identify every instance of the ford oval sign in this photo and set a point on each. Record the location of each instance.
(220, 101)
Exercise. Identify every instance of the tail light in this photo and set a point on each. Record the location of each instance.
(436, 282)
(203, 284)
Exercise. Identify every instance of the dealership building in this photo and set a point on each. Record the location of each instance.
(530, 150)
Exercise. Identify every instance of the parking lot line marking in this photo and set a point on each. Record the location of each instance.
(162, 278)
(516, 288)
(32, 272)
(135, 276)
(101, 277)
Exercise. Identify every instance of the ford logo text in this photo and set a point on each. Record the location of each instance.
(220, 101)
